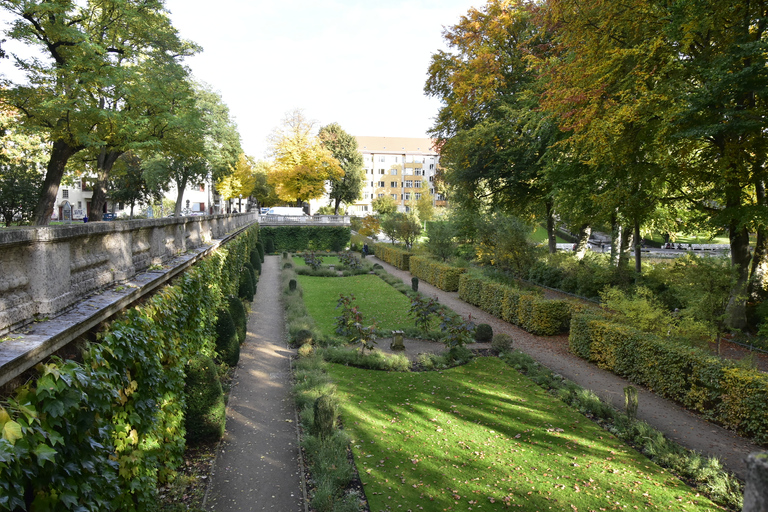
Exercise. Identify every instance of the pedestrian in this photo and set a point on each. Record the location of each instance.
(365, 249)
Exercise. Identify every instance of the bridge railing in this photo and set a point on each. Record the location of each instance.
(293, 220)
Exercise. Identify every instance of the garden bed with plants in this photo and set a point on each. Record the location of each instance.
(393, 420)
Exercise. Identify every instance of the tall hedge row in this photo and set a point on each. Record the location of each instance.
(298, 238)
(395, 256)
(441, 275)
(525, 309)
(101, 434)
(735, 397)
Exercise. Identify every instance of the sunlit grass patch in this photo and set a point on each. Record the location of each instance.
(375, 298)
(483, 437)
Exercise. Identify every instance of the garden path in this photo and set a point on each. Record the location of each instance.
(677, 423)
(257, 465)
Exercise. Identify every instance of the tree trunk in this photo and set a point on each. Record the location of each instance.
(736, 311)
(615, 240)
(582, 244)
(61, 152)
(551, 237)
(638, 252)
(180, 187)
(105, 162)
(624, 245)
(758, 278)
(336, 204)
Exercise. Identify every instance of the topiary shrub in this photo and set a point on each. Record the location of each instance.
(204, 415)
(325, 416)
(415, 284)
(254, 275)
(501, 343)
(237, 311)
(245, 290)
(377, 266)
(306, 350)
(227, 340)
(255, 259)
(292, 285)
(483, 333)
(269, 248)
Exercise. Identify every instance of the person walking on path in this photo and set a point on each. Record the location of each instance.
(258, 465)
(677, 423)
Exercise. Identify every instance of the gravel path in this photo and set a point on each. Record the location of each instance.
(257, 467)
(677, 423)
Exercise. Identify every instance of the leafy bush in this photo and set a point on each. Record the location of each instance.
(483, 333)
(269, 247)
(501, 343)
(255, 260)
(442, 275)
(246, 290)
(376, 360)
(326, 411)
(393, 255)
(260, 249)
(298, 238)
(238, 314)
(254, 275)
(504, 241)
(204, 417)
(227, 340)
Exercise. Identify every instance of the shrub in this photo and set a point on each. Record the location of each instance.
(298, 238)
(237, 312)
(306, 350)
(255, 260)
(204, 417)
(393, 255)
(415, 284)
(254, 275)
(227, 340)
(303, 336)
(246, 291)
(269, 247)
(483, 333)
(260, 248)
(501, 343)
(325, 414)
(444, 276)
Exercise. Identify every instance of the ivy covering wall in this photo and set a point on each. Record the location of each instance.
(302, 238)
(101, 434)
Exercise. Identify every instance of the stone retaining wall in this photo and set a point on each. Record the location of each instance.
(44, 270)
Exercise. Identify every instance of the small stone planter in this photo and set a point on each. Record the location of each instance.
(397, 341)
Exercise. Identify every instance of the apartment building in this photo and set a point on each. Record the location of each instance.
(401, 167)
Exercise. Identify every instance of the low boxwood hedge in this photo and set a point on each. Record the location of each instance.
(442, 275)
(395, 256)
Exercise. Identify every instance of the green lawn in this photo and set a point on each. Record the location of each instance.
(483, 437)
(298, 261)
(540, 235)
(375, 298)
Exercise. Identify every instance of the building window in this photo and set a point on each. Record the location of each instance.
(431, 166)
(393, 172)
(371, 184)
(394, 196)
(79, 205)
(382, 184)
(381, 159)
(408, 184)
(440, 197)
(393, 184)
(371, 196)
(431, 179)
(65, 193)
(417, 196)
(408, 171)
(432, 191)
(417, 184)
(407, 196)
(381, 195)
(382, 171)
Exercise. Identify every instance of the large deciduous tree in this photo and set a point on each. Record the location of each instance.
(343, 147)
(301, 163)
(74, 90)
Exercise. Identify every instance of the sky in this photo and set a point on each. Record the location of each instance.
(359, 63)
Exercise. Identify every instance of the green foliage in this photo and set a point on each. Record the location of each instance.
(255, 260)
(298, 238)
(260, 249)
(227, 340)
(377, 360)
(205, 410)
(719, 390)
(254, 276)
(440, 239)
(237, 311)
(393, 255)
(531, 312)
(415, 284)
(270, 246)
(348, 188)
(401, 226)
(483, 333)
(384, 205)
(424, 310)
(501, 343)
(457, 331)
(350, 324)
(246, 289)
(441, 275)
(505, 242)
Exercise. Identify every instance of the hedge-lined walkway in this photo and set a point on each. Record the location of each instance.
(257, 467)
(676, 422)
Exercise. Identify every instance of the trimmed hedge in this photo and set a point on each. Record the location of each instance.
(227, 339)
(205, 411)
(298, 238)
(393, 255)
(442, 275)
(525, 309)
(722, 392)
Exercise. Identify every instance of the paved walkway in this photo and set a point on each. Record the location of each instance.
(257, 467)
(677, 423)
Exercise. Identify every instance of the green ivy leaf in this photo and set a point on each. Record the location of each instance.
(44, 453)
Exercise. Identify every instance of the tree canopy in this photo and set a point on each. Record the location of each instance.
(343, 147)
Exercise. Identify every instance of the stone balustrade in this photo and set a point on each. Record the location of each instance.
(45, 270)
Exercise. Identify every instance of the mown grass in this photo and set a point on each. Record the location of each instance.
(375, 298)
(539, 235)
(298, 261)
(484, 437)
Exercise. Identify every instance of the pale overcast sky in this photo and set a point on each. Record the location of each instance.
(359, 63)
